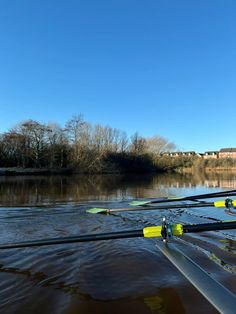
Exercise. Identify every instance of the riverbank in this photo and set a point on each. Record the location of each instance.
(207, 170)
(220, 169)
(10, 171)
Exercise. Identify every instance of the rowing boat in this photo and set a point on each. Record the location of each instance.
(220, 297)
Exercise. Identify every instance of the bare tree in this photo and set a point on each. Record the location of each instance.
(158, 144)
(80, 145)
(12, 145)
(123, 142)
(57, 145)
(138, 144)
(77, 131)
(74, 128)
(34, 134)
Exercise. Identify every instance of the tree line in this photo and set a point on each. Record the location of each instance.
(80, 146)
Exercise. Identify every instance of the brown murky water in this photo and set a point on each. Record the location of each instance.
(118, 276)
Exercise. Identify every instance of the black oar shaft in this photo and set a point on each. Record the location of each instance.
(208, 195)
(118, 235)
(196, 197)
(83, 238)
(113, 210)
(209, 227)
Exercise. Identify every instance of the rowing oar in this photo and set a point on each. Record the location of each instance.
(185, 198)
(228, 203)
(165, 231)
(220, 297)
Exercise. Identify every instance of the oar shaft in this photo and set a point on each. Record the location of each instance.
(209, 226)
(83, 238)
(148, 232)
(196, 197)
(145, 207)
(209, 195)
(114, 210)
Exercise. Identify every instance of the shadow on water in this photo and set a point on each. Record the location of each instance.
(229, 245)
(158, 303)
(163, 300)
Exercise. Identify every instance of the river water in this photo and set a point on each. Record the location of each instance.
(115, 276)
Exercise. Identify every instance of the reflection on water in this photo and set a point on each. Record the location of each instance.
(20, 190)
(161, 303)
(222, 260)
(119, 276)
(229, 245)
(157, 304)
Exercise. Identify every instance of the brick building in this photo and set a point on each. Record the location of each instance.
(227, 153)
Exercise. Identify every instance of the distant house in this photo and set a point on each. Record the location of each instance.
(191, 153)
(211, 155)
(227, 153)
(181, 154)
(222, 153)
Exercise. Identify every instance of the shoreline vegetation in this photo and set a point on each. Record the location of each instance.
(79, 147)
(11, 171)
(17, 171)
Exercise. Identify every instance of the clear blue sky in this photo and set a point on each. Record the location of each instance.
(162, 67)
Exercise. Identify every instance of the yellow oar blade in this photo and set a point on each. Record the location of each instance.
(96, 210)
(139, 203)
(159, 200)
